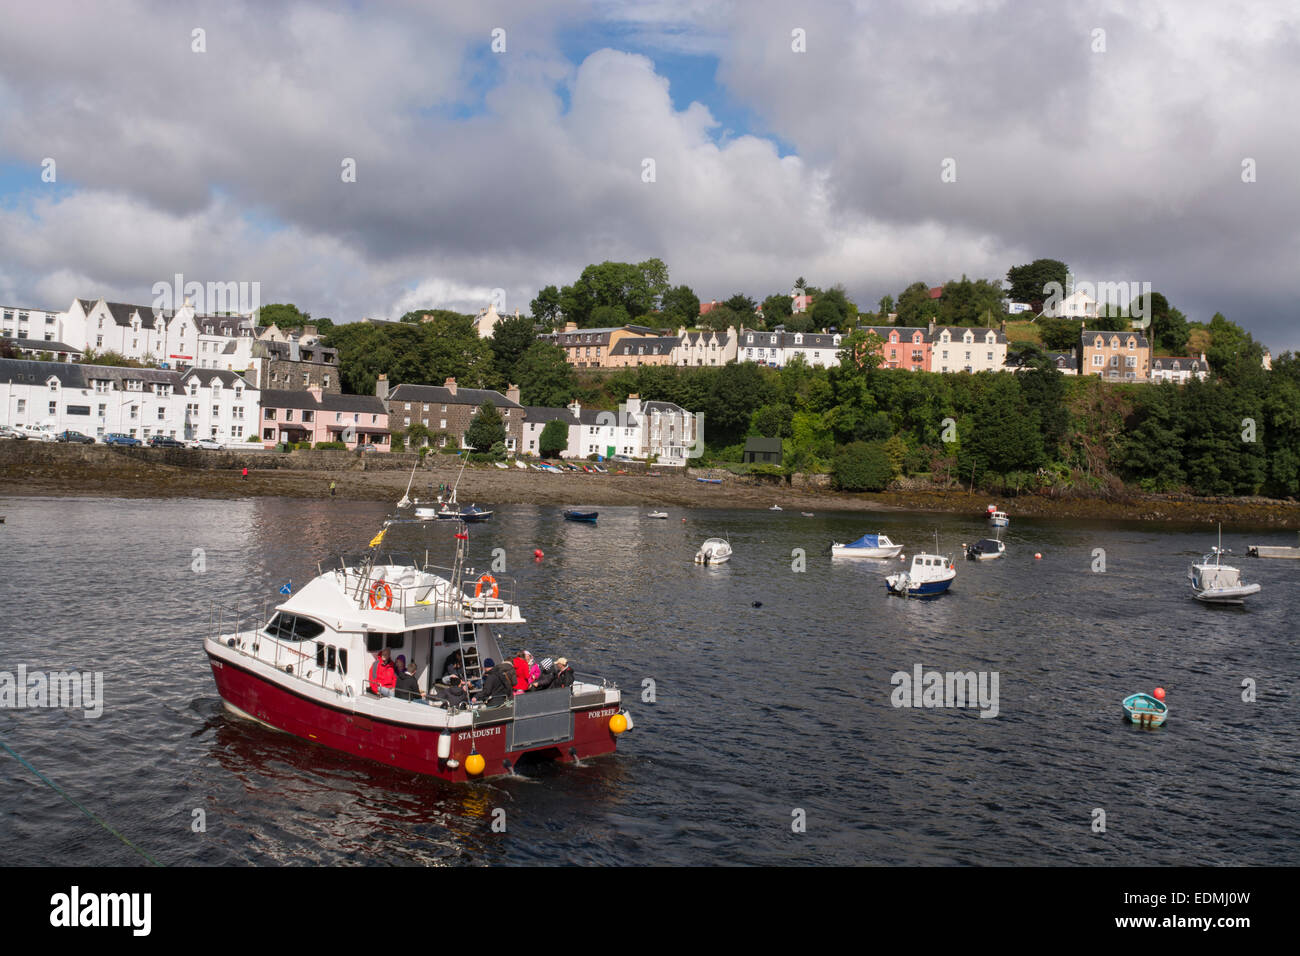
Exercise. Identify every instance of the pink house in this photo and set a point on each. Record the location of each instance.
(317, 416)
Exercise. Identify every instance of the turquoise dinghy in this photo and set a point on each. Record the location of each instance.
(1145, 710)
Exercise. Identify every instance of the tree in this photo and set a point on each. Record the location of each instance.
(1029, 282)
(915, 307)
(863, 466)
(1059, 335)
(511, 338)
(486, 429)
(554, 439)
(283, 316)
(636, 289)
(546, 307)
(777, 308)
(886, 307)
(1005, 433)
(741, 304)
(970, 303)
(720, 318)
(544, 377)
(772, 421)
(681, 306)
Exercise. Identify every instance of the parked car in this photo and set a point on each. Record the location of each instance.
(74, 437)
(209, 444)
(7, 432)
(367, 447)
(37, 432)
(117, 438)
(164, 441)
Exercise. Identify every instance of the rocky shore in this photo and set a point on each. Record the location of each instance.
(29, 468)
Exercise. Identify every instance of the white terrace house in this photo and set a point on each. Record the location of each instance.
(962, 349)
(778, 348)
(99, 400)
(706, 347)
(664, 430)
(1179, 369)
(35, 325)
(135, 331)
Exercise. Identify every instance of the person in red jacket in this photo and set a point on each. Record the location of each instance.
(521, 674)
(383, 676)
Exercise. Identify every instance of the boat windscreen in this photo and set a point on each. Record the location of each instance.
(866, 541)
(986, 544)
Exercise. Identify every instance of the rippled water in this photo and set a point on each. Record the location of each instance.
(760, 711)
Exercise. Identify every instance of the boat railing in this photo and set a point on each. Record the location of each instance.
(424, 593)
(308, 659)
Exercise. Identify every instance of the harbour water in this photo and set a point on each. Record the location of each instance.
(772, 736)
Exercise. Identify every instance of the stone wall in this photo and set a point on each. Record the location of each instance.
(110, 456)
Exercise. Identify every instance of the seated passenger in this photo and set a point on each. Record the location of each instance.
(563, 673)
(408, 687)
(382, 675)
(453, 693)
(453, 668)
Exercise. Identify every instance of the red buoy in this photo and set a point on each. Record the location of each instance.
(1160, 693)
(537, 554)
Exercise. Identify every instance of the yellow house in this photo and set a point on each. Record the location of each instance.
(1115, 356)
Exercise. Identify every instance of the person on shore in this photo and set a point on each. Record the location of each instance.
(331, 489)
(383, 677)
(245, 472)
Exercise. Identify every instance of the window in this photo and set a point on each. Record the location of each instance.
(22, 406)
(290, 627)
(268, 434)
(269, 414)
(102, 408)
(162, 413)
(135, 412)
(1098, 360)
(288, 414)
(101, 385)
(236, 431)
(308, 416)
(216, 411)
(237, 413)
(54, 408)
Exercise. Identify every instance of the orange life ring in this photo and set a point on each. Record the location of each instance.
(487, 579)
(381, 586)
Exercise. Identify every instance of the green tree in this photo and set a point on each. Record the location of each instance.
(283, 316)
(546, 307)
(742, 305)
(777, 309)
(1059, 335)
(967, 302)
(863, 466)
(721, 317)
(486, 429)
(1005, 435)
(511, 338)
(554, 439)
(1029, 282)
(681, 306)
(915, 307)
(772, 421)
(544, 377)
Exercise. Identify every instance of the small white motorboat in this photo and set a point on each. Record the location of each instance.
(714, 551)
(776, 508)
(998, 519)
(929, 575)
(657, 514)
(867, 546)
(1214, 582)
(986, 549)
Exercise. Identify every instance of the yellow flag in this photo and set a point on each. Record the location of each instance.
(374, 542)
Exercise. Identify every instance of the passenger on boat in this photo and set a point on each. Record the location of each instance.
(452, 694)
(534, 669)
(383, 678)
(408, 686)
(520, 664)
(453, 668)
(563, 673)
(545, 677)
(499, 684)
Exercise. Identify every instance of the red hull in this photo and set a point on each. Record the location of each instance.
(405, 746)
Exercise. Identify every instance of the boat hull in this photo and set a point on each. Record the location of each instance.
(405, 746)
(925, 589)
(877, 553)
(1144, 710)
(1235, 595)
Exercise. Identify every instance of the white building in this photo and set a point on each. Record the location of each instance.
(32, 325)
(99, 400)
(663, 430)
(777, 348)
(706, 347)
(1076, 305)
(637, 429)
(1179, 369)
(963, 349)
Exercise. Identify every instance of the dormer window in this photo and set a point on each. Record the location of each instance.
(54, 384)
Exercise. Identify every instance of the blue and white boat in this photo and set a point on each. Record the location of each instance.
(588, 516)
(929, 575)
(1145, 710)
(867, 546)
(998, 519)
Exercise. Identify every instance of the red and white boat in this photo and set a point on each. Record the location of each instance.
(306, 670)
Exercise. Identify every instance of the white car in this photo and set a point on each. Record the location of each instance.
(36, 432)
(208, 444)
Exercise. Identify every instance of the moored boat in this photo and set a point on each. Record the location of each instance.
(714, 551)
(1144, 709)
(998, 519)
(985, 549)
(1214, 582)
(587, 516)
(867, 546)
(930, 575)
(307, 670)
(657, 514)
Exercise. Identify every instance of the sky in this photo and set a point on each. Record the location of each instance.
(505, 146)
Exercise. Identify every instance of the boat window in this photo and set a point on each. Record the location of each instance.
(378, 641)
(290, 627)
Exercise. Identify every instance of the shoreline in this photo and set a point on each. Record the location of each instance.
(123, 476)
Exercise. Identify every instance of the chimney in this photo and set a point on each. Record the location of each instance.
(575, 408)
(381, 387)
(570, 326)
(512, 393)
(930, 327)
(315, 392)
(450, 385)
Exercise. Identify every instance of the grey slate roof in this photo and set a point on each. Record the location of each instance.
(1088, 336)
(537, 414)
(42, 346)
(441, 395)
(647, 345)
(1179, 363)
(72, 375)
(329, 401)
(1065, 360)
(205, 376)
(121, 313)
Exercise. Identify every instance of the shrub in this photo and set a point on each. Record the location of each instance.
(326, 446)
(862, 466)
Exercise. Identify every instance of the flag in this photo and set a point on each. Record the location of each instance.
(287, 589)
(374, 542)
